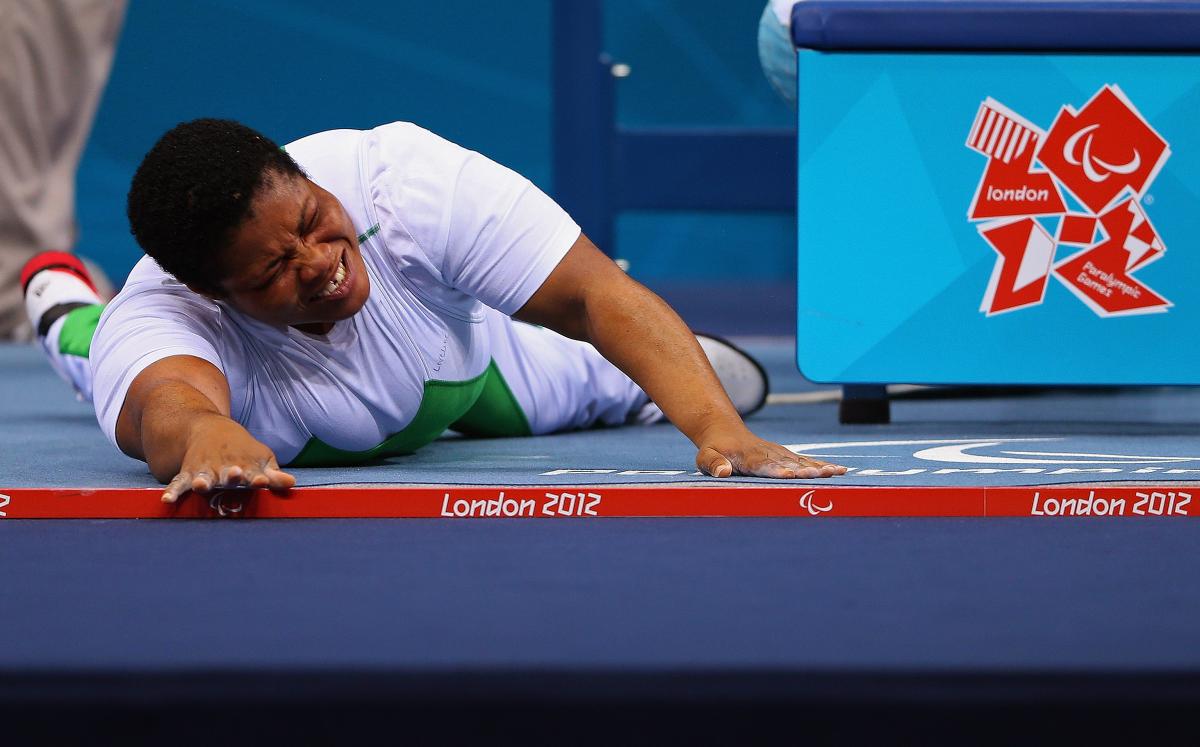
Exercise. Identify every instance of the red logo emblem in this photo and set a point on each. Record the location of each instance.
(1103, 151)
(1105, 156)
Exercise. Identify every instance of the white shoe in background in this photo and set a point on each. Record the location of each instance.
(744, 379)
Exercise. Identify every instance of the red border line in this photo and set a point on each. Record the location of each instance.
(600, 501)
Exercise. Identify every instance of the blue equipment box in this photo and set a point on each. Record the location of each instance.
(998, 192)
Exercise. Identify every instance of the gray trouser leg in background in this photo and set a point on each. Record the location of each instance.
(55, 56)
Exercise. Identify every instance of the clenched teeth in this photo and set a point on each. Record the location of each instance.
(336, 283)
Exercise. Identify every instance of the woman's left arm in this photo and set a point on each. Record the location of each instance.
(588, 297)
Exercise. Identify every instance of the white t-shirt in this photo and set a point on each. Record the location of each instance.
(443, 230)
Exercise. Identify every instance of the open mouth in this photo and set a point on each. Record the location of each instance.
(338, 285)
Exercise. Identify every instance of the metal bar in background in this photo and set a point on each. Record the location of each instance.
(600, 169)
(706, 169)
(583, 117)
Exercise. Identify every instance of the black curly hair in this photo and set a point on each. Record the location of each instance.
(194, 188)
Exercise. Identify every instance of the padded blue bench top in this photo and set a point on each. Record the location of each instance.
(1018, 25)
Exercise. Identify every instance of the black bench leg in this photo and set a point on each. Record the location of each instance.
(864, 404)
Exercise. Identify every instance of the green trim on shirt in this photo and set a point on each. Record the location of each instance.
(482, 406)
(496, 414)
(79, 326)
(369, 233)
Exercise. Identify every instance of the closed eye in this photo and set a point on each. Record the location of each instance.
(272, 272)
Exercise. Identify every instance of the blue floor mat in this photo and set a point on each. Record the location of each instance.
(1065, 436)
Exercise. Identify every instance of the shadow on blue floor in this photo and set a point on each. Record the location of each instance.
(1040, 437)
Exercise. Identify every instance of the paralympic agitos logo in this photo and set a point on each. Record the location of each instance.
(1104, 157)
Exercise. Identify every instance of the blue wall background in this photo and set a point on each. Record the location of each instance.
(477, 73)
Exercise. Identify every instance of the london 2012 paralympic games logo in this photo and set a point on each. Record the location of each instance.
(1104, 156)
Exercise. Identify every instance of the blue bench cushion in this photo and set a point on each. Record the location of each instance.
(1018, 25)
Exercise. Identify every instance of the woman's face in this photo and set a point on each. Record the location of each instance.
(295, 259)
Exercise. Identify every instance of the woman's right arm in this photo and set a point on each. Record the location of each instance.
(176, 419)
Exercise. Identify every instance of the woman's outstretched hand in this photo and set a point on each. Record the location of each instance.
(723, 454)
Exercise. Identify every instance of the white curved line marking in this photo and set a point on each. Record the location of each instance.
(958, 453)
(807, 449)
(1126, 457)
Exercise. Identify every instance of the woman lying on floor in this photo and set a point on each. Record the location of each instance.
(351, 296)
